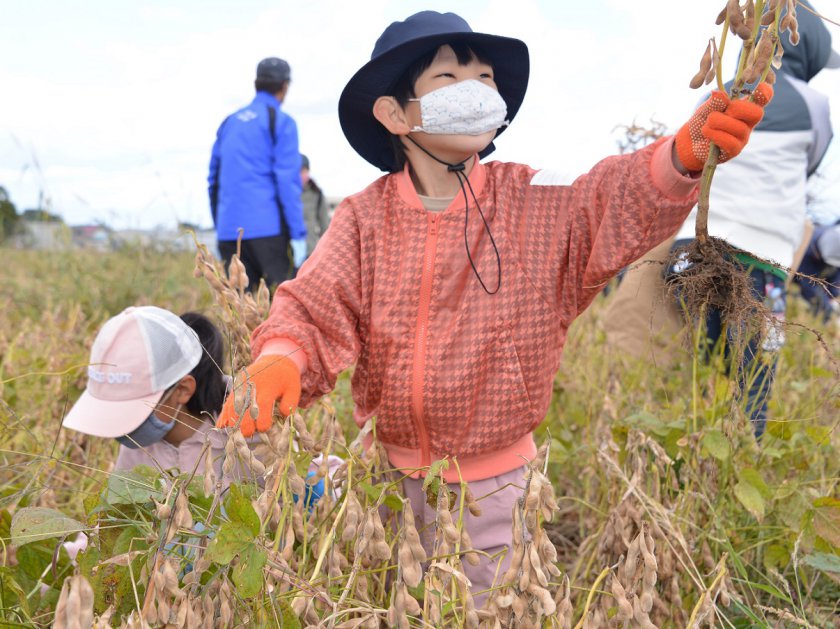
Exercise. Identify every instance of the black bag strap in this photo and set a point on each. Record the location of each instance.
(272, 123)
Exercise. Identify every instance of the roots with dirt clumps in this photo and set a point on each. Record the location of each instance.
(715, 280)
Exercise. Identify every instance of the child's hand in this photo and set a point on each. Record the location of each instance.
(725, 122)
(274, 378)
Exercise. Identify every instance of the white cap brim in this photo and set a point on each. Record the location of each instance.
(833, 60)
(109, 418)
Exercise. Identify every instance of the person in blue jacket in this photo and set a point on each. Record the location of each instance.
(254, 182)
(818, 276)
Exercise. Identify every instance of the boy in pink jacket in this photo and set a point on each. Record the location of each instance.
(451, 284)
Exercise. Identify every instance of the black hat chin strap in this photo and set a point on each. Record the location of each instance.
(458, 169)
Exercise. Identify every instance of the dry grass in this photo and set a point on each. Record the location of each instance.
(650, 504)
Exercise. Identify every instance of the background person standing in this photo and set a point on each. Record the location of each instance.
(758, 205)
(316, 210)
(821, 263)
(254, 181)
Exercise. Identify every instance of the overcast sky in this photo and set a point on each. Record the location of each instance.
(110, 108)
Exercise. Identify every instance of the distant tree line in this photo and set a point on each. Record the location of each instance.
(11, 221)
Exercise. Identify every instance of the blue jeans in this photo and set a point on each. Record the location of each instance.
(758, 364)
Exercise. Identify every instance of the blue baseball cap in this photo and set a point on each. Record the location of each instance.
(274, 69)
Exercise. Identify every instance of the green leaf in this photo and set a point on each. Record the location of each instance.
(772, 453)
(648, 423)
(372, 492)
(776, 556)
(780, 429)
(435, 471)
(248, 573)
(232, 539)
(431, 488)
(773, 591)
(32, 560)
(793, 513)
(131, 538)
(195, 492)
(751, 498)
(288, 618)
(671, 442)
(826, 522)
(717, 444)
(826, 501)
(787, 489)
(393, 503)
(31, 524)
(823, 561)
(751, 476)
(11, 591)
(820, 434)
(375, 493)
(239, 509)
(137, 486)
(819, 372)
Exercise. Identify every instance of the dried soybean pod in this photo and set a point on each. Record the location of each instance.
(764, 52)
(646, 601)
(650, 563)
(630, 561)
(753, 69)
(794, 32)
(625, 609)
(737, 22)
(412, 607)
(471, 502)
(525, 576)
(411, 571)
(544, 597)
(705, 67)
(162, 510)
(515, 563)
(749, 22)
(777, 58)
(786, 22)
(74, 605)
(87, 599)
(721, 17)
(504, 601)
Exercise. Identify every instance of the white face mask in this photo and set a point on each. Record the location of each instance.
(464, 108)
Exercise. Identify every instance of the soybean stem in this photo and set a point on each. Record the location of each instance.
(591, 595)
(701, 226)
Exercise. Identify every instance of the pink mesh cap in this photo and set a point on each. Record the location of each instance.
(136, 356)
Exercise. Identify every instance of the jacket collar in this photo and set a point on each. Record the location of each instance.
(267, 99)
(407, 192)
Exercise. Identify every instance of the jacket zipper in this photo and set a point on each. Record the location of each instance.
(421, 336)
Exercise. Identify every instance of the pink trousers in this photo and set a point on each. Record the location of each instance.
(490, 532)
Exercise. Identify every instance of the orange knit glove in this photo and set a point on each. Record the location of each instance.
(725, 122)
(273, 378)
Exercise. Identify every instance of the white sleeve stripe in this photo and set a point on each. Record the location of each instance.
(550, 178)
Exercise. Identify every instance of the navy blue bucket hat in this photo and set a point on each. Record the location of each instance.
(399, 46)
